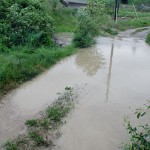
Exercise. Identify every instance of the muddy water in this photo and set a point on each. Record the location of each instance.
(118, 84)
(115, 76)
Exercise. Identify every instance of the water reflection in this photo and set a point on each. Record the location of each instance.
(90, 60)
(134, 46)
(109, 73)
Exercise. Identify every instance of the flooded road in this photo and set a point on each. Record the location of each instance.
(115, 76)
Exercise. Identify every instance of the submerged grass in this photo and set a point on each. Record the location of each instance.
(43, 132)
(22, 64)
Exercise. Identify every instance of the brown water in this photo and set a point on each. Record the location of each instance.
(115, 76)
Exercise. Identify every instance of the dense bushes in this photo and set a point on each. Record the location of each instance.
(89, 22)
(24, 22)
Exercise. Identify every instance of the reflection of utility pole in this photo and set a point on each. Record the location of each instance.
(116, 10)
(109, 73)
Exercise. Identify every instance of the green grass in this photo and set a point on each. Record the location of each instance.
(65, 20)
(137, 2)
(130, 1)
(132, 23)
(127, 19)
(148, 38)
(11, 145)
(37, 138)
(22, 64)
(43, 131)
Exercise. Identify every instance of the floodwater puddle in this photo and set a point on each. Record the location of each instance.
(116, 74)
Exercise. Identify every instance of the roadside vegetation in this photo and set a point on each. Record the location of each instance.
(43, 131)
(27, 29)
(138, 2)
(97, 19)
(139, 135)
(90, 22)
(20, 64)
(127, 18)
(27, 46)
(148, 38)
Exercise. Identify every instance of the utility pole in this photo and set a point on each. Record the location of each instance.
(116, 10)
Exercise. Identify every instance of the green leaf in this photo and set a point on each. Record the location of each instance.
(138, 115)
(143, 114)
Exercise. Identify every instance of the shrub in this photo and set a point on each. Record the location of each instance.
(24, 17)
(38, 39)
(85, 30)
(3, 48)
(89, 21)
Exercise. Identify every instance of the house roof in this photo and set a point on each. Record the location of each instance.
(77, 1)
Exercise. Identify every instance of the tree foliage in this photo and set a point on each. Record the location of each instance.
(23, 20)
(89, 22)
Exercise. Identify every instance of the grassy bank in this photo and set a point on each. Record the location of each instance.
(127, 19)
(65, 20)
(22, 64)
(43, 131)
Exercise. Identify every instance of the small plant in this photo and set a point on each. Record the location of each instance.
(54, 114)
(11, 145)
(140, 135)
(45, 123)
(37, 138)
(31, 123)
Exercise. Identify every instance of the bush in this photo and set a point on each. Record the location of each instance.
(3, 48)
(85, 30)
(83, 41)
(89, 21)
(20, 19)
(38, 39)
